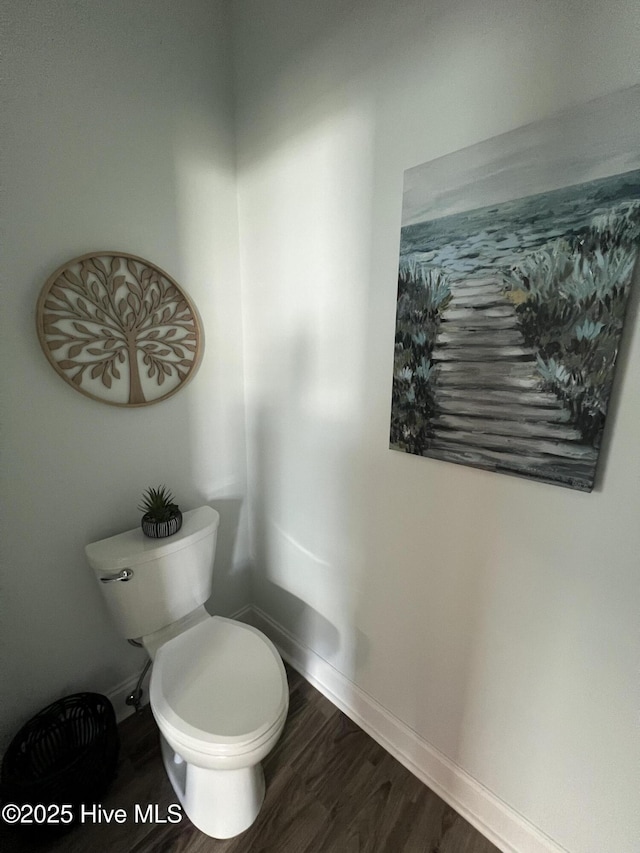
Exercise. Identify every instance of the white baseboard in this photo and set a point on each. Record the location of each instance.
(502, 825)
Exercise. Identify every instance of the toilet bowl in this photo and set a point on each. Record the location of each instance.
(218, 689)
(219, 696)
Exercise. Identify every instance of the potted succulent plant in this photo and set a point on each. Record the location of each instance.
(162, 516)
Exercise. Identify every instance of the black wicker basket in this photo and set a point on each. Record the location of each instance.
(67, 753)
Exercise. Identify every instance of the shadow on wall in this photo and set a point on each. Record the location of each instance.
(422, 581)
(317, 52)
(97, 459)
(306, 625)
(229, 575)
(307, 542)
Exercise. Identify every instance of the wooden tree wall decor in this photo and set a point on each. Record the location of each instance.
(119, 329)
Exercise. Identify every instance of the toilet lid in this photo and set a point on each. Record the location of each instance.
(219, 682)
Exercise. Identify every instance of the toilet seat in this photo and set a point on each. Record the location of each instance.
(219, 688)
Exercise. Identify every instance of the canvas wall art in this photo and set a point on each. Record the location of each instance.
(516, 262)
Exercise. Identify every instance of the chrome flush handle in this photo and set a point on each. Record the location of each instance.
(124, 575)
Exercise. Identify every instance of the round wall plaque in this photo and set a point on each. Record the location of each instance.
(119, 329)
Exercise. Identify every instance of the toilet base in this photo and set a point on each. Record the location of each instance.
(220, 803)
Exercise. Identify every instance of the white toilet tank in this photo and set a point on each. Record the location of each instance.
(166, 578)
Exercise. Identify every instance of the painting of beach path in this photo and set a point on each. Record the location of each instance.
(516, 261)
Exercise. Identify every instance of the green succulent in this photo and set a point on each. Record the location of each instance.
(158, 504)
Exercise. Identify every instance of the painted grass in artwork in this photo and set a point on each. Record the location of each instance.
(570, 298)
(423, 293)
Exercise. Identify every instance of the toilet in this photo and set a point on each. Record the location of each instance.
(218, 689)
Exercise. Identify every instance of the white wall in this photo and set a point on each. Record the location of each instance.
(118, 135)
(496, 617)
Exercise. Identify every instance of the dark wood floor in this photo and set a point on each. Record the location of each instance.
(330, 789)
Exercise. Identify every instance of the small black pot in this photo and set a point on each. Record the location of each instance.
(160, 529)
